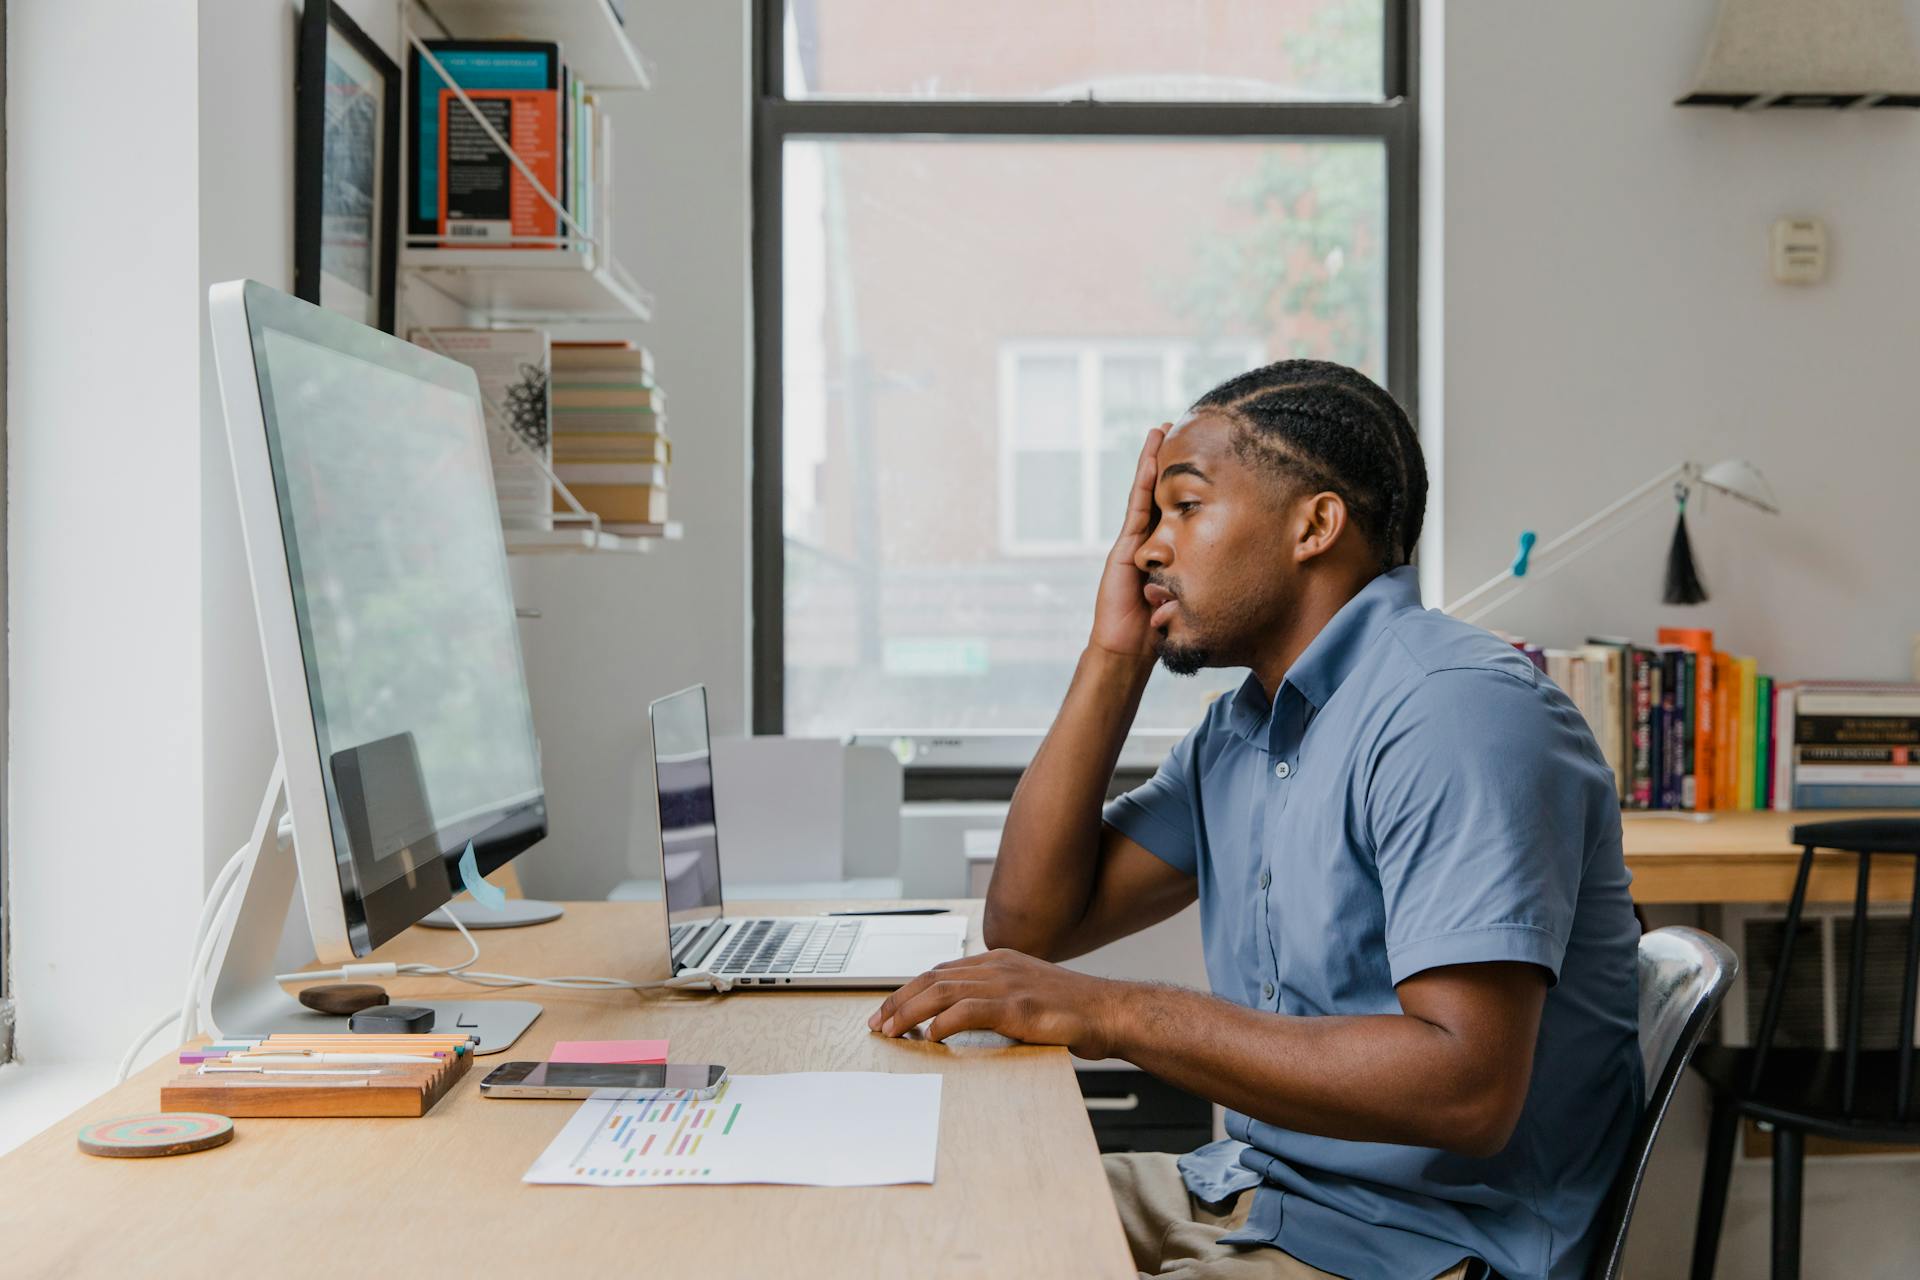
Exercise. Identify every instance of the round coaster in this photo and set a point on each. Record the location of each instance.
(168, 1133)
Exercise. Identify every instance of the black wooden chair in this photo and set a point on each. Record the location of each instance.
(1684, 975)
(1851, 1093)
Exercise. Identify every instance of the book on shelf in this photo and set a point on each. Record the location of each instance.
(571, 394)
(512, 367)
(484, 198)
(612, 446)
(622, 354)
(603, 473)
(1851, 744)
(1686, 726)
(511, 66)
(463, 191)
(626, 503)
(606, 421)
(1681, 725)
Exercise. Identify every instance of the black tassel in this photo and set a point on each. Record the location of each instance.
(1683, 580)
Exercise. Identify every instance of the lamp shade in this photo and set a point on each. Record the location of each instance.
(1740, 479)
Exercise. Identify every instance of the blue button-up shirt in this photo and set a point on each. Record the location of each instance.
(1417, 794)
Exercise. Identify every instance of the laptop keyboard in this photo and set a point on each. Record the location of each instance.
(677, 934)
(788, 947)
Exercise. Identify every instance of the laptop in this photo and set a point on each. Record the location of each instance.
(763, 951)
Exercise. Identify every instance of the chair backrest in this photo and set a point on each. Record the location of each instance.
(1684, 975)
(1861, 837)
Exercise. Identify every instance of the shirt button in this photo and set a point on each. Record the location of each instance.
(1266, 878)
(1282, 770)
(1266, 990)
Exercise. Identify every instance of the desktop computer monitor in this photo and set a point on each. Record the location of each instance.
(386, 616)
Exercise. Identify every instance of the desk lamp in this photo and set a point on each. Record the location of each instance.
(1734, 477)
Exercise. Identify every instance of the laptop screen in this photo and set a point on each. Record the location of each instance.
(683, 775)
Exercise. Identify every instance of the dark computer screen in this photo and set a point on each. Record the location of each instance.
(689, 839)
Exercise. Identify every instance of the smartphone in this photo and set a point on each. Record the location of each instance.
(589, 1079)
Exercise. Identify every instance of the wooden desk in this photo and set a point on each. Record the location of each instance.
(1018, 1191)
(1747, 857)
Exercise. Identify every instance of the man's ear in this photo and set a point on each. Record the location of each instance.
(1320, 520)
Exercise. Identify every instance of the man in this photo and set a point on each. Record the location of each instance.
(1406, 849)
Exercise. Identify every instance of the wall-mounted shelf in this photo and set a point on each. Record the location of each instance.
(593, 41)
(524, 542)
(529, 286)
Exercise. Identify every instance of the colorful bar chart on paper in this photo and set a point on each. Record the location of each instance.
(833, 1129)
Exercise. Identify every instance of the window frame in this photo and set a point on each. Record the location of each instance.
(1392, 120)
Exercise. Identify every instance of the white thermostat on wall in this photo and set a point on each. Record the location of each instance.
(1799, 251)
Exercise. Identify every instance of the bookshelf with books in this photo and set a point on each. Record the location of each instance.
(507, 163)
(508, 172)
(1688, 727)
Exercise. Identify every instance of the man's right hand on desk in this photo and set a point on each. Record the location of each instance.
(1009, 992)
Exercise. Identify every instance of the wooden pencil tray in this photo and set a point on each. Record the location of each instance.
(410, 1091)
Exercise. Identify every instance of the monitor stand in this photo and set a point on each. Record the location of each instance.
(241, 997)
(511, 914)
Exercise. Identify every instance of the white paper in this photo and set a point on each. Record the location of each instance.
(812, 1128)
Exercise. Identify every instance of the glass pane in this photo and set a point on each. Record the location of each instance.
(1046, 497)
(1046, 400)
(1115, 484)
(1116, 50)
(1132, 387)
(928, 321)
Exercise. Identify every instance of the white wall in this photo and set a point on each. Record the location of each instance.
(1606, 308)
(103, 511)
(246, 229)
(618, 631)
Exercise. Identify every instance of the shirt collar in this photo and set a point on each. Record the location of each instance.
(1333, 654)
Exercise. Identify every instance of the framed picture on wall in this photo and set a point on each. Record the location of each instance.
(346, 176)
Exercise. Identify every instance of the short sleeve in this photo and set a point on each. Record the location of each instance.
(1157, 815)
(1480, 799)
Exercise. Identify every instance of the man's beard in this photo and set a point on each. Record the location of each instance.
(1217, 638)
(1184, 659)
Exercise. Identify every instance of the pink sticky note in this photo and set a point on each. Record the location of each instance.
(609, 1051)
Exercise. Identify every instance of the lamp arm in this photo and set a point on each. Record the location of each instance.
(1679, 470)
(1573, 553)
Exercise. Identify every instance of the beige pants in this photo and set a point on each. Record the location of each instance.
(1173, 1234)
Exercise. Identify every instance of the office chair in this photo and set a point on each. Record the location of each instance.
(1853, 1094)
(1684, 975)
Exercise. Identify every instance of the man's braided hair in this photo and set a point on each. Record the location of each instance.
(1329, 427)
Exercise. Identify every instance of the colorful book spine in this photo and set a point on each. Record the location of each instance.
(1744, 748)
(1699, 643)
(1673, 716)
(1762, 739)
(1726, 735)
(1783, 750)
(1642, 794)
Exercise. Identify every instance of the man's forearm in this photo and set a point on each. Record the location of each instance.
(1044, 875)
(1387, 1078)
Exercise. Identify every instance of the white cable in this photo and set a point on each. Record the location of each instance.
(205, 932)
(133, 1051)
(206, 937)
(697, 979)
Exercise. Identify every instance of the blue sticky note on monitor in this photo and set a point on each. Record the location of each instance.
(492, 897)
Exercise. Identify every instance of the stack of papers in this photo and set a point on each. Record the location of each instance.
(815, 1128)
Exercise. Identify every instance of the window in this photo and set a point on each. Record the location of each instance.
(997, 242)
(1071, 417)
